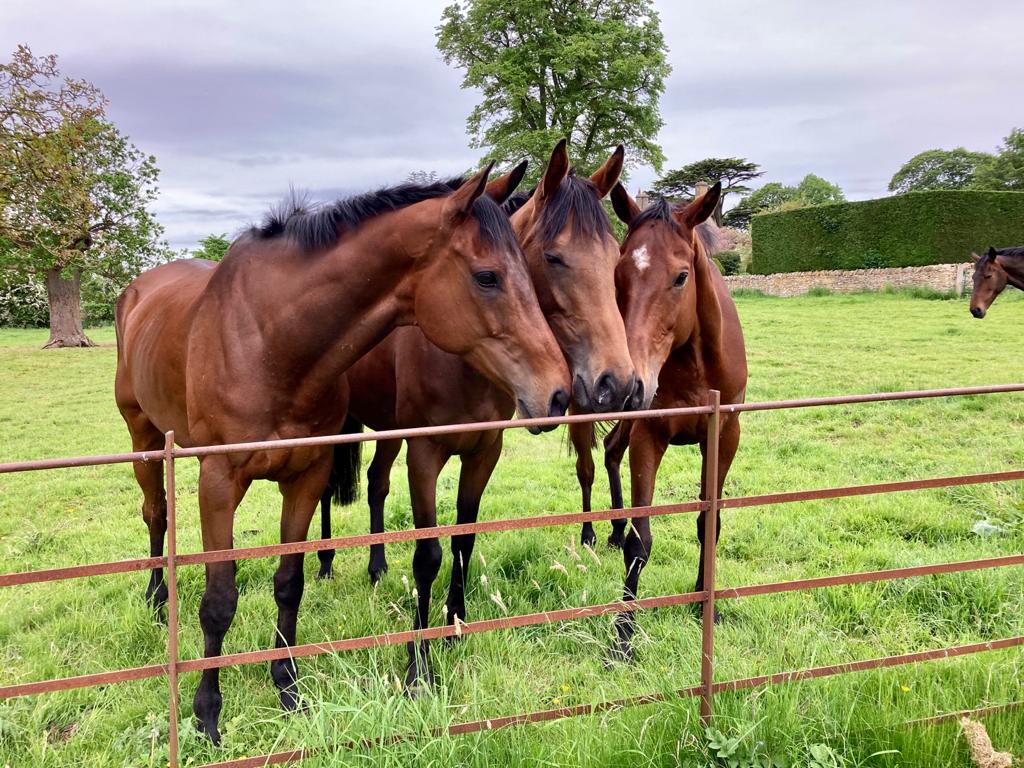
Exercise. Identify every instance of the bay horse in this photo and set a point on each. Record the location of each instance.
(254, 348)
(407, 381)
(685, 339)
(992, 272)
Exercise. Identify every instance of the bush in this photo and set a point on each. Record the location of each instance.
(730, 261)
(908, 230)
(23, 302)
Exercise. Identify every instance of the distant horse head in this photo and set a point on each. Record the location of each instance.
(990, 278)
(572, 254)
(664, 290)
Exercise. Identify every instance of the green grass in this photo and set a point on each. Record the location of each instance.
(59, 403)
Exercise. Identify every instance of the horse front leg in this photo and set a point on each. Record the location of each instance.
(615, 444)
(221, 489)
(581, 435)
(300, 497)
(647, 447)
(426, 459)
(728, 442)
(476, 473)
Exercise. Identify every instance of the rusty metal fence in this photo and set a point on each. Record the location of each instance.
(705, 690)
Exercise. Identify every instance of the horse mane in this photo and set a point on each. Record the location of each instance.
(318, 226)
(575, 195)
(707, 234)
(1015, 251)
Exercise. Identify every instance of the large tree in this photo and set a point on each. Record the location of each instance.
(74, 193)
(591, 71)
(773, 196)
(1006, 169)
(938, 169)
(732, 172)
(212, 247)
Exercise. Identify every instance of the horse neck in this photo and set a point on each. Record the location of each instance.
(709, 327)
(1013, 265)
(348, 298)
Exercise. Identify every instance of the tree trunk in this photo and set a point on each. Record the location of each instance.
(65, 296)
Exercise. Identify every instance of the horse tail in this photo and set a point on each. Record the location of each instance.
(346, 467)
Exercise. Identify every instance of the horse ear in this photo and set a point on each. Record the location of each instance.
(625, 207)
(555, 173)
(607, 176)
(992, 253)
(975, 257)
(502, 187)
(700, 209)
(460, 202)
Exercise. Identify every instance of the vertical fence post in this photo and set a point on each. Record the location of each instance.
(710, 550)
(172, 601)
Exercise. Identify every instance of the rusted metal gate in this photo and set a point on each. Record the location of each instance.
(706, 689)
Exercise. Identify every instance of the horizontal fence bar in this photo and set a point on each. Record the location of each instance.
(548, 715)
(945, 717)
(81, 571)
(82, 681)
(547, 421)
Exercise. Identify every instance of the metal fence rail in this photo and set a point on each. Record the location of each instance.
(707, 688)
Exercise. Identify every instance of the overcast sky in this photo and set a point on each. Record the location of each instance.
(240, 100)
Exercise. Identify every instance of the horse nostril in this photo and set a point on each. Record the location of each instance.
(636, 401)
(559, 403)
(604, 389)
(978, 312)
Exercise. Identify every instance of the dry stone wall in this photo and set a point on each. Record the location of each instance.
(940, 277)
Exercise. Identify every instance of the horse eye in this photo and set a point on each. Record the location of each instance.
(486, 279)
(680, 280)
(553, 259)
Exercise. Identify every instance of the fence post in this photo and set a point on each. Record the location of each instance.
(707, 652)
(172, 601)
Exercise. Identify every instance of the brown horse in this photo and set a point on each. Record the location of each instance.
(406, 381)
(254, 349)
(992, 272)
(685, 340)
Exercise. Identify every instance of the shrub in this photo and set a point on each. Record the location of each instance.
(23, 302)
(914, 229)
(730, 261)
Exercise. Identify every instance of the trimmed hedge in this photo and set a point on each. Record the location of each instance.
(908, 230)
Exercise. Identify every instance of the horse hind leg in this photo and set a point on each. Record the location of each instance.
(378, 485)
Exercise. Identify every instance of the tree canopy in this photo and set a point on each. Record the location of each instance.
(936, 169)
(773, 196)
(74, 192)
(591, 71)
(733, 172)
(212, 247)
(1006, 169)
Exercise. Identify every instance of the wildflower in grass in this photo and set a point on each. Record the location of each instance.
(565, 688)
(905, 689)
(556, 701)
(405, 583)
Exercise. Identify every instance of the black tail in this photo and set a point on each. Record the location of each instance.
(346, 469)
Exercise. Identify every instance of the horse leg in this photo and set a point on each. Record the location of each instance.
(615, 444)
(325, 556)
(220, 491)
(378, 482)
(646, 450)
(728, 442)
(476, 472)
(300, 498)
(426, 459)
(582, 437)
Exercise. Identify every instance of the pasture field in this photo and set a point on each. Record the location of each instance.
(58, 403)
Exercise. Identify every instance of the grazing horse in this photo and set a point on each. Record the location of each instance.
(254, 348)
(992, 272)
(408, 382)
(685, 340)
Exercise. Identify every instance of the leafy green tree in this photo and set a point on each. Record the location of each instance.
(591, 71)
(74, 193)
(814, 190)
(773, 196)
(733, 172)
(938, 169)
(212, 247)
(1006, 169)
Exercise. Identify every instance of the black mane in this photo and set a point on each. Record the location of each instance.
(316, 227)
(1015, 251)
(574, 195)
(662, 210)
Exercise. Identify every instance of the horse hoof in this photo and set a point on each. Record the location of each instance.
(616, 540)
(418, 684)
(210, 731)
(291, 702)
(157, 597)
(588, 539)
(621, 652)
(377, 573)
